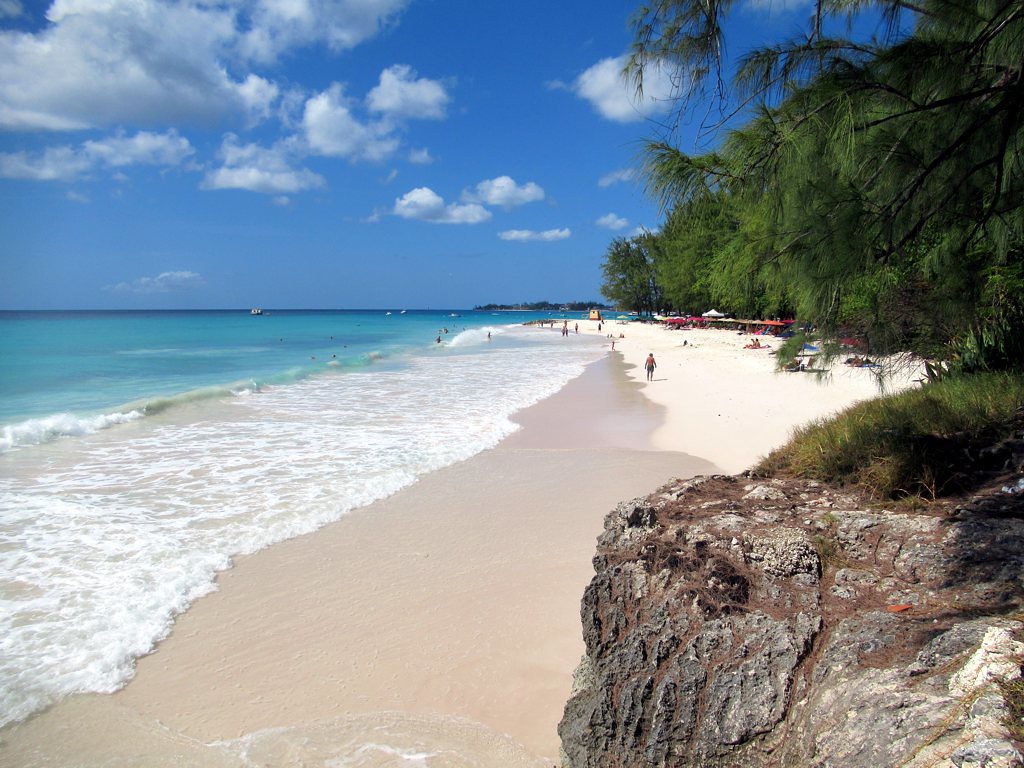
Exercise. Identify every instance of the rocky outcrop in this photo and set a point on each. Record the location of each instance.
(746, 622)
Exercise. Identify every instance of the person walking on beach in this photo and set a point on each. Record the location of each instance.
(650, 365)
(577, 329)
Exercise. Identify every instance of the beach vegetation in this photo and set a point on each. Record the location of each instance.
(630, 275)
(870, 186)
(922, 443)
(1012, 691)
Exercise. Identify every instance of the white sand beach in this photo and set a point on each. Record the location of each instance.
(729, 404)
(444, 620)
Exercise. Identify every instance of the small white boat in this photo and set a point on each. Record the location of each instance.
(255, 311)
(387, 313)
(402, 312)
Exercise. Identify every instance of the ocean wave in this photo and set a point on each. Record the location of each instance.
(475, 336)
(60, 425)
(36, 431)
(55, 426)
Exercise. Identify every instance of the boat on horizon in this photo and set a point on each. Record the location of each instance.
(256, 311)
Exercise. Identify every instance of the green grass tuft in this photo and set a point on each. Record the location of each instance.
(920, 443)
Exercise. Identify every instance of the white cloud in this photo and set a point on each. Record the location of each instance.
(53, 164)
(614, 97)
(165, 282)
(616, 177)
(103, 62)
(611, 221)
(420, 157)
(330, 129)
(504, 191)
(524, 235)
(117, 151)
(424, 204)
(400, 94)
(119, 62)
(10, 9)
(258, 95)
(260, 169)
(77, 197)
(281, 25)
(144, 147)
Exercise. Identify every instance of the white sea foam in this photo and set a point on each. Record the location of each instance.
(475, 336)
(413, 758)
(36, 431)
(379, 739)
(58, 425)
(104, 540)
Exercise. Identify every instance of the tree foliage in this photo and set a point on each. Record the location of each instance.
(630, 274)
(875, 188)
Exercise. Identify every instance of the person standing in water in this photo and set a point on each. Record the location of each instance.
(650, 365)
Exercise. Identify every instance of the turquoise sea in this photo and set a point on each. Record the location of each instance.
(141, 451)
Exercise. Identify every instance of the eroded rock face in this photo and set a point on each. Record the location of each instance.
(783, 623)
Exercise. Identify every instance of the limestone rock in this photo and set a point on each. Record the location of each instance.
(723, 628)
(765, 492)
(783, 552)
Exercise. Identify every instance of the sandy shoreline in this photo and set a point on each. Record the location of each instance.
(455, 601)
(726, 403)
(444, 620)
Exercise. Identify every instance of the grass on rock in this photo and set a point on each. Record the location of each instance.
(926, 442)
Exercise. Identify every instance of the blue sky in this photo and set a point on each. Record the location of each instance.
(319, 153)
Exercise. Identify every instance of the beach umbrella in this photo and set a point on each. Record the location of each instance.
(713, 313)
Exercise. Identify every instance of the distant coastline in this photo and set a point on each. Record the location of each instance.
(544, 306)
